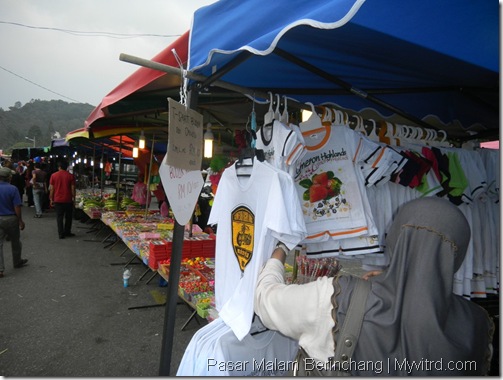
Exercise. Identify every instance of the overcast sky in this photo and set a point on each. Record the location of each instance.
(77, 68)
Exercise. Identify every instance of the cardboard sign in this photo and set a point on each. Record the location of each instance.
(182, 188)
(185, 137)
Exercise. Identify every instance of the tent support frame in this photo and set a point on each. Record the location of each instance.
(348, 87)
(173, 280)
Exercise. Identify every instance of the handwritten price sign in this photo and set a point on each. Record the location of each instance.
(182, 188)
(185, 139)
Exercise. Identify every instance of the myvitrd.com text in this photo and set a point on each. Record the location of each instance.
(393, 365)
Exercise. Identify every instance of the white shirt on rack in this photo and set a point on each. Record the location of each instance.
(252, 213)
(283, 146)
(331, 180)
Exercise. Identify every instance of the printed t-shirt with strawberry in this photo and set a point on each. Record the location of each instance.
(331, 191)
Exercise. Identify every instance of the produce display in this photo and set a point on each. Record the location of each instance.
(90, 201)
(196, 284)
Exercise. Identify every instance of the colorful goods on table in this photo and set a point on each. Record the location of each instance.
(94, 203)
(196, 285)
(193, 246)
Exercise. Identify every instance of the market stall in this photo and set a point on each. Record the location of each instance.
(149, 239)
(377, 69)
(383, 64)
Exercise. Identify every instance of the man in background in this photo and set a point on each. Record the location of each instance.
(62, 198)
(11, 220)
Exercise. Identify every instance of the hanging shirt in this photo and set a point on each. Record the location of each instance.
(214, 350)
(252, 213)
(267, 353)
(282, 145)
(331, 191)
(140, 193)
(195, 358)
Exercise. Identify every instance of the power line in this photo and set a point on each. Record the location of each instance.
(38, 85)
(92, 34)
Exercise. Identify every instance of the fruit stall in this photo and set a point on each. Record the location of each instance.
(93, 202)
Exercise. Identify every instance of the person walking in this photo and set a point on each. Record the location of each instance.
(45, 196)
(62, 198)
(28, 185)
(18, 180)
(11, 220)
(39, 188)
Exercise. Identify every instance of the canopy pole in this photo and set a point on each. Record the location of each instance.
(201, 78)
(242, 57)
(173, 281)
(197, 77)
(348, 87)
(149, 175)
(102, 169)
(92, 172)
(257, 93)
(117, 192)
(244, 90)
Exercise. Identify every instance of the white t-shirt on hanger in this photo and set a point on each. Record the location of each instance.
(331, 185)
(281, 144)
(252, 213)
(269, 353)
(200, 347)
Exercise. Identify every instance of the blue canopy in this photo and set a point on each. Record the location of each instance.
(419, 57)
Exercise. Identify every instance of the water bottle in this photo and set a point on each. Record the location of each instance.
(125, 277)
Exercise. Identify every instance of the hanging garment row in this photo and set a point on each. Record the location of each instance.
(383, 131)
(347, 185)
(333, 191)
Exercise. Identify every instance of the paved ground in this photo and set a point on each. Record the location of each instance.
(68, 314)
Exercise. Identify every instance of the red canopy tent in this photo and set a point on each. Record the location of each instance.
(130, 96)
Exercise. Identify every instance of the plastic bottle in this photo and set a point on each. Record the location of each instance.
(125, 277)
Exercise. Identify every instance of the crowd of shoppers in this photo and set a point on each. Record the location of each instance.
(44, 190)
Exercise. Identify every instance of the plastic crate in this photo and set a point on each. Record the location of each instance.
(202, 310)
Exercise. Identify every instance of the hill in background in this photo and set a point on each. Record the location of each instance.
(39, 120)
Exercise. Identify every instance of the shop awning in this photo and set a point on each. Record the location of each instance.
(78, 133)
(437, 60)
(110, 144)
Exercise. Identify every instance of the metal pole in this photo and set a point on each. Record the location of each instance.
(349, 87)
(197, 77)
(117, 192)
(102, 169)
(92, 173)
(173, 280)
(171, 300)
(149, 174)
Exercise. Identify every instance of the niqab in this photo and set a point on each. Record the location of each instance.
(414, 324)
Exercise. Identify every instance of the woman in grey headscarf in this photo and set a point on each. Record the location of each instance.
(413, 323)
